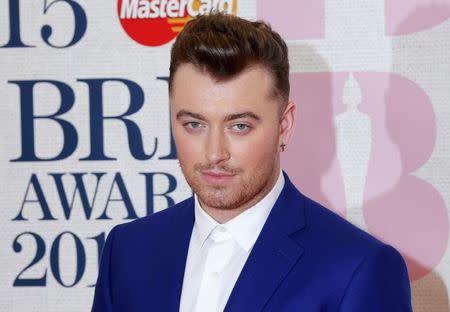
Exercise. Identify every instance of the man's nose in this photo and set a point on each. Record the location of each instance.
(217, 147)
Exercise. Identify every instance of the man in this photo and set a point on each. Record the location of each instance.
(248, 240)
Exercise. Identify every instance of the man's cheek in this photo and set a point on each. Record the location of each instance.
(250, 155)
(262, 147)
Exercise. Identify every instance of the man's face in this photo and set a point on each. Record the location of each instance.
(228, 135)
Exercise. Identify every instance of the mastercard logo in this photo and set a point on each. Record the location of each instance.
(156, 22)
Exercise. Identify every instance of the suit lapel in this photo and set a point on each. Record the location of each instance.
(273, 255)
(175, 250)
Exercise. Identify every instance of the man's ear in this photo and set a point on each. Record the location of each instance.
(287, 124)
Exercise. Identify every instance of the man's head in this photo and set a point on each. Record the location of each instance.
(229, 89)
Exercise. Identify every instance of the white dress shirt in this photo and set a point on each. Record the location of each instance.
(217, 253)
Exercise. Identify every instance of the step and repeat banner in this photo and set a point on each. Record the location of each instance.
(86, 141)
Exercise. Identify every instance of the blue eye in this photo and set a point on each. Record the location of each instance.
(193, 124)
(240, 127)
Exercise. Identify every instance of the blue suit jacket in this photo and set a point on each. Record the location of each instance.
(306, 258)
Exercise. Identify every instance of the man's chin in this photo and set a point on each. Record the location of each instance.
(223, 200)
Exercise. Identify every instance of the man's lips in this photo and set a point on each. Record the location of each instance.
(217, 177)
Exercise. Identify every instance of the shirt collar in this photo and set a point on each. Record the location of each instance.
(245, 227)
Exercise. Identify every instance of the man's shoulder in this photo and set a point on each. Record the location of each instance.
(331, 236)
(321, 224)
(334, 248)
(331, 223)
(160, 221)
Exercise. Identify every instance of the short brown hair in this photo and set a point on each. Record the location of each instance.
(224, 45)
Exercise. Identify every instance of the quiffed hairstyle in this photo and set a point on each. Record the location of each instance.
(224, 45)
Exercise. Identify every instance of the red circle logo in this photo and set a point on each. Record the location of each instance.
(156, 22)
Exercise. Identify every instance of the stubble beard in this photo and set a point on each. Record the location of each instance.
(246, 191)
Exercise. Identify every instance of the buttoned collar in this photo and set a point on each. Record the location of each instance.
(245, 227)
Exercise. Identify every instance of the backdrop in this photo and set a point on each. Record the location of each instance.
(86, 140)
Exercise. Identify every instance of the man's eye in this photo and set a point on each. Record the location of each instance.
(193, 125)
(240, 127)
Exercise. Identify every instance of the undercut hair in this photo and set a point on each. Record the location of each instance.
(224, 45)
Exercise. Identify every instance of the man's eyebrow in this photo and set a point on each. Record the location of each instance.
(184, 112)
(242, 115)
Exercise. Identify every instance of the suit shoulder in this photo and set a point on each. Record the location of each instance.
(330, 236)
(157, 221)
(338, 233)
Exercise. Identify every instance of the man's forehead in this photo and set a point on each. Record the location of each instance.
(255, 75)
(198, 91)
